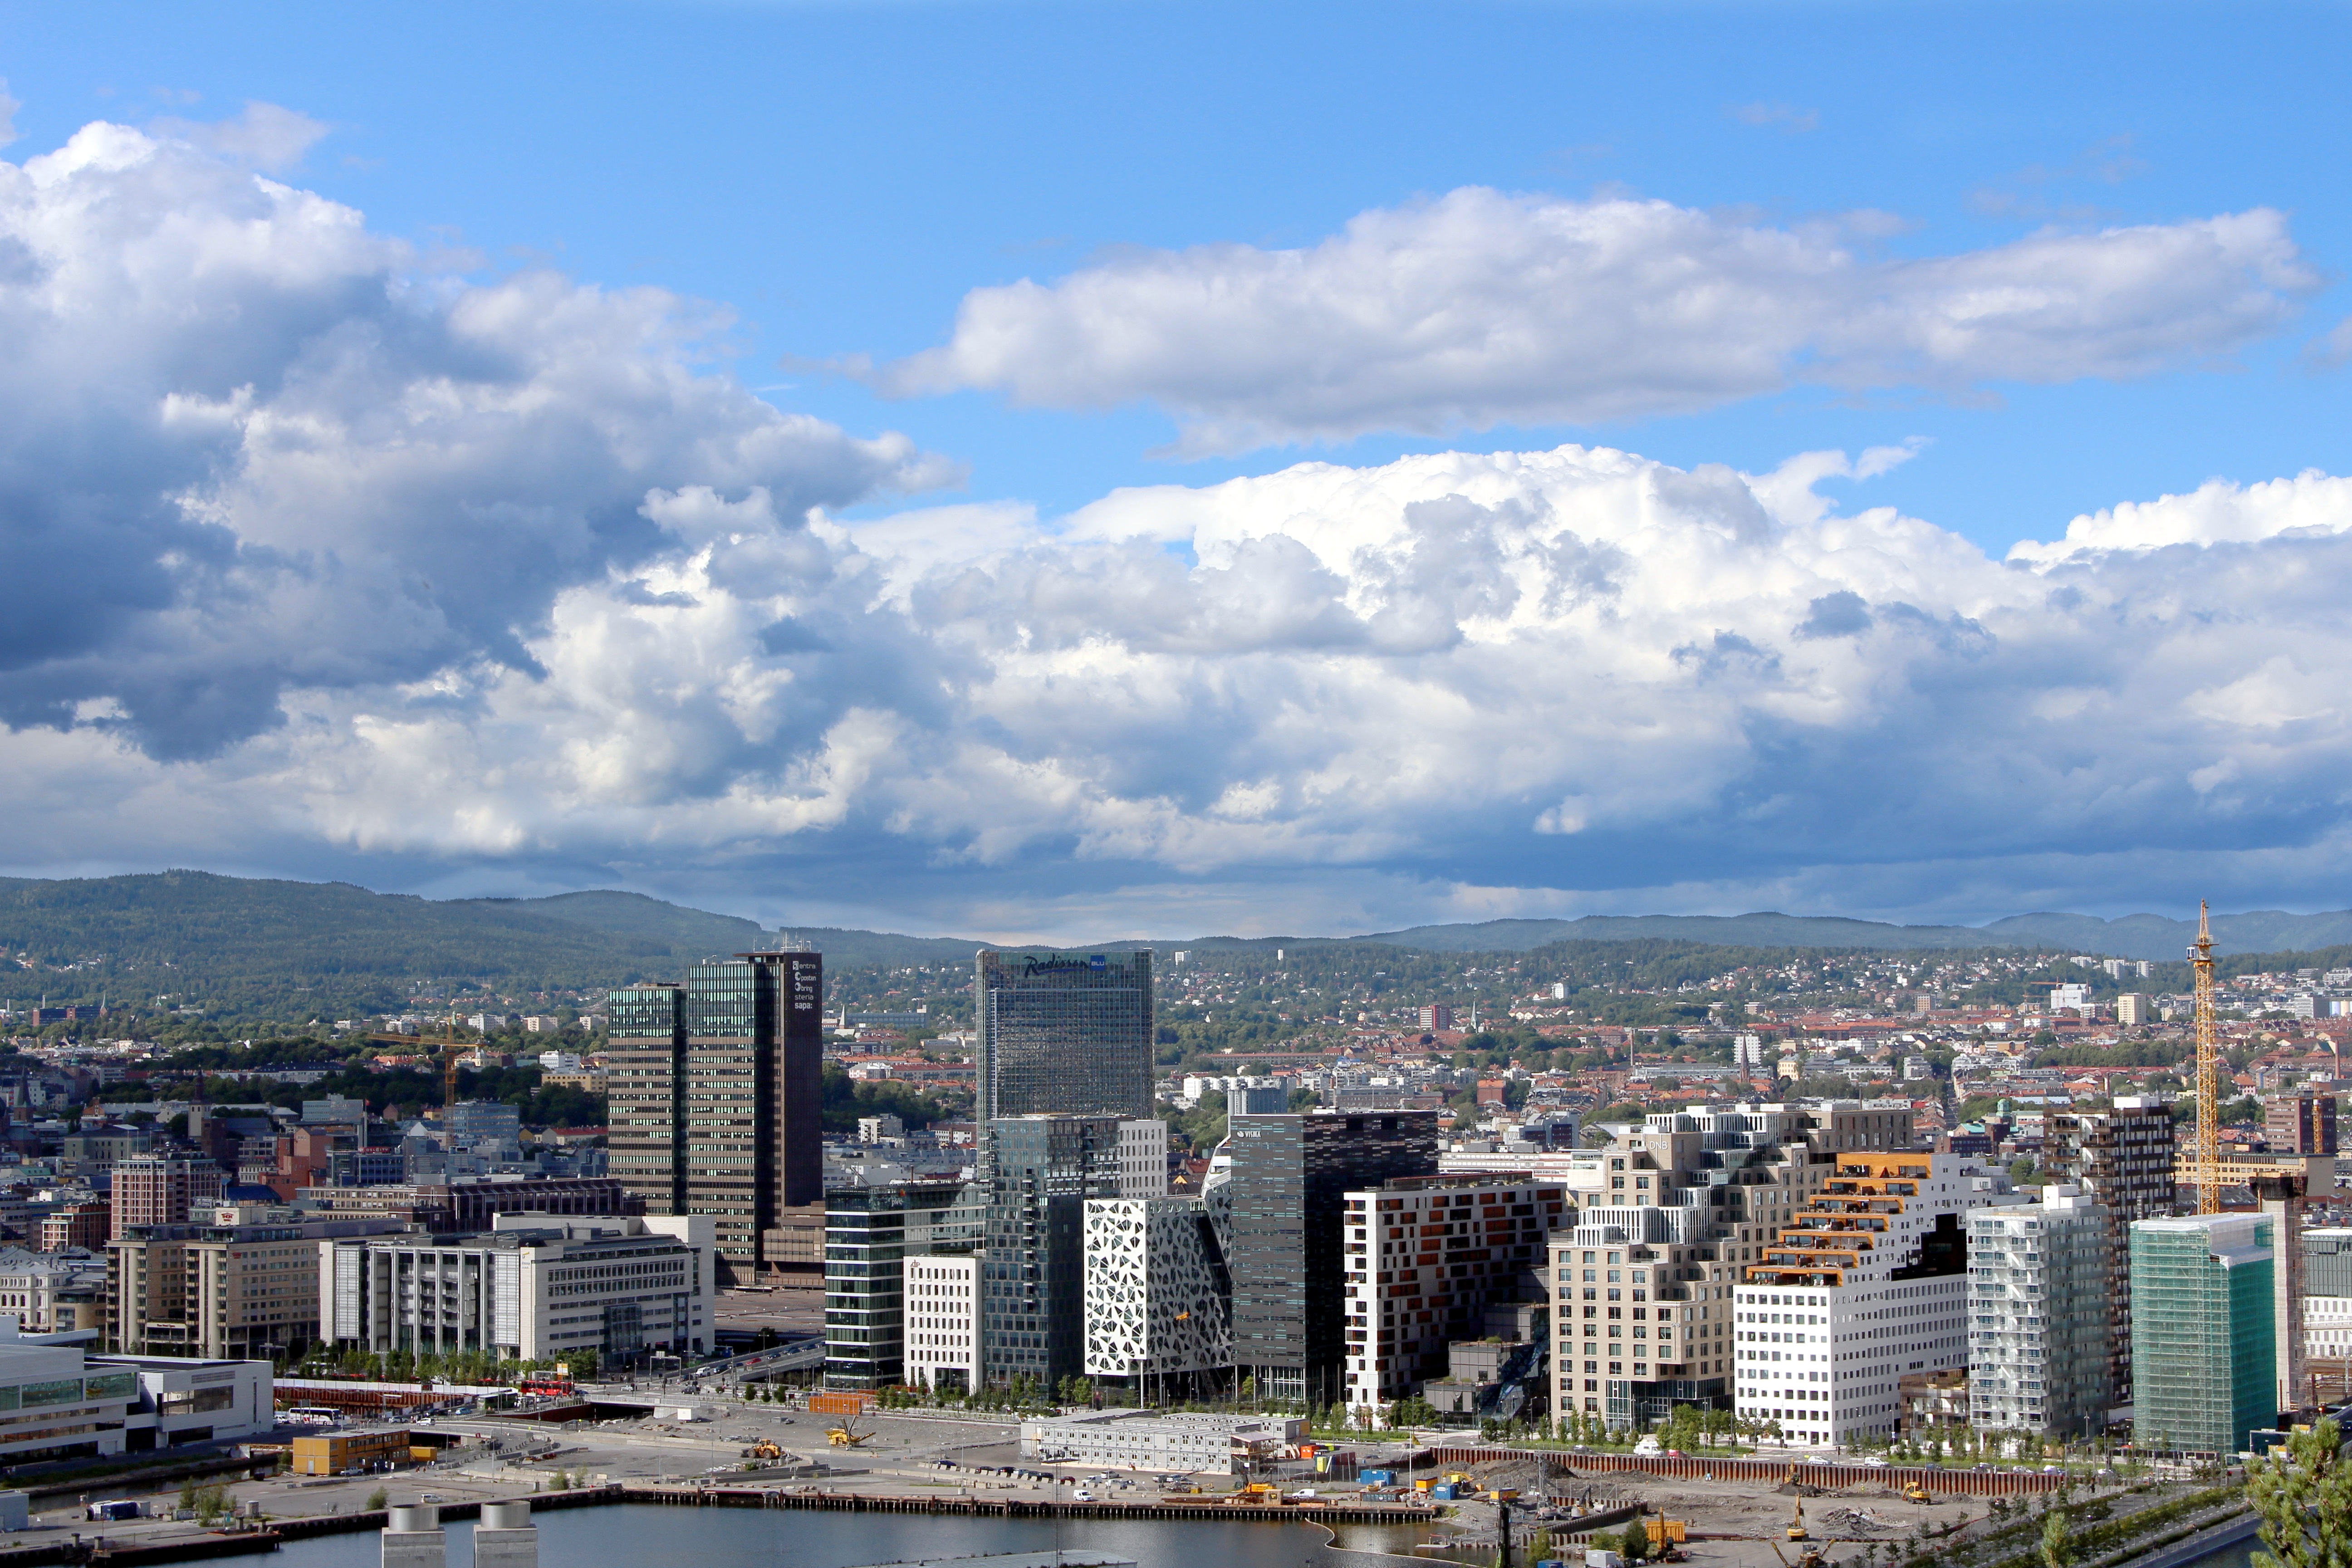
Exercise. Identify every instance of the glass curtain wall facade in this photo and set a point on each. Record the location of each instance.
(1041, 1169)
(1284, 1201)
(645, 1058)
(1064, 1034)
(2203, 1374)
(869, 1233)
(749, 1100)
(2123, 1157)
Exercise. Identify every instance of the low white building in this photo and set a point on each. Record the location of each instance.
(941, 1296)
(1133, 1440)
(535, 1286)
(57, 1402)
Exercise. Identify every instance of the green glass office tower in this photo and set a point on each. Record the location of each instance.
(1064, 1033)
(2203, 1355)
(645, 1059)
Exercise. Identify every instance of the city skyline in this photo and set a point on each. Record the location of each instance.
(1556, 460)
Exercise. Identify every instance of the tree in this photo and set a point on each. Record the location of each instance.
(1636, 1541)
(2303, 1493)
(377, 1498)
(2057, 1541)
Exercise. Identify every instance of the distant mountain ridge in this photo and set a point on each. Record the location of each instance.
(240, 929)
(2131, 936)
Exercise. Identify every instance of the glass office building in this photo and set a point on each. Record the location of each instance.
(1064, 1034)
(1040, 1171)
(1280, 1197)
(2204, 1360)
(644, 1056)
(715, 1096)
(869, 1233)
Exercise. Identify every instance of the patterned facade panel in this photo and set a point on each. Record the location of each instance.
(1156, 1290)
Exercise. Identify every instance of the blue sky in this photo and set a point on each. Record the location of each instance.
(844, 179)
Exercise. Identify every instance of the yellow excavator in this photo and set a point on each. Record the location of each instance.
(1915, 1492)
(1796, 1531)
(846, 1435)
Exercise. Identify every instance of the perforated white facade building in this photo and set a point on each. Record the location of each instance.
(1158, 1300)
(2038, 1315)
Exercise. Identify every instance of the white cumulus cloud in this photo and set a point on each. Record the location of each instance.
(323, 563)
(1481, 307)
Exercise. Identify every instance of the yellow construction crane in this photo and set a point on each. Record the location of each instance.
(2206, 1169)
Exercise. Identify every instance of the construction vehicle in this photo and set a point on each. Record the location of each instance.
(1796, 1531)
(764, 1450)
(846, 1435)
(1915, 1492)
(1811, 1557)
(1664, 1529)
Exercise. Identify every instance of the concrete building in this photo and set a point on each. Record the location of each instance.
(239, 1282)
(870, 1232)
(2301, 1125)
(2037, 1316)
(2203, 1376)
(2123, 1160)
(1425, 1257)
(54, 1292)
(1182, 1445)
(2133, 1010)
(58, 1403)
(1158, 1300)
(534, 1287)
(1867, 1282)
(155, 1189)
(943, 1322)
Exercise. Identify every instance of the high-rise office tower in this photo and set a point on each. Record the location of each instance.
(1040, 1172)
(2038, 1282)
(749, 1144)
(871, 1233)
(2203, 1360)
(1064, 1034)
(2123, 1160)
(2301, 1124)
(646, 1063)
(1279, 1192)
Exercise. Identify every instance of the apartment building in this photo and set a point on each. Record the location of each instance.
(1425, 1257)
(160, 1189)
(1866, 1284)
(238, 1283)
(2123, 1160)
(1668, 1213)
(2037, 1316)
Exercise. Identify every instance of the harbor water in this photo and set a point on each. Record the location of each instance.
(653, 1536)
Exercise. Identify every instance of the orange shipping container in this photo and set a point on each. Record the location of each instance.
(841, 1402)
